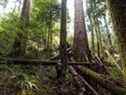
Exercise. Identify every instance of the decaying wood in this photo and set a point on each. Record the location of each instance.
(78, 78)
(79, 70)
(101, 79)
(24, 61)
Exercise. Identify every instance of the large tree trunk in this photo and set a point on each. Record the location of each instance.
(81, 48)
(26, 10)
(118, 13)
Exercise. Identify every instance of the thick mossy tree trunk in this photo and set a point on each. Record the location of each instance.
(19, 46)
(80, 46)
(118, 13)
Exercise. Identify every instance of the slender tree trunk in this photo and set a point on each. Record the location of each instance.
(81, 48)
(98, 36)
(91, 15)
(50, 32)
(92, 34)
(61, 67)
(98, 44)
(118, 13)
(49, 24)
(108, 32)
(95, 28)
(92, 37)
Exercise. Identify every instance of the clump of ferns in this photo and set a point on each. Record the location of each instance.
(27, 82)
(14, 76)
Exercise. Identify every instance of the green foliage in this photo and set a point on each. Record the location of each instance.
(9, 25)
(44, 20)
(25, 77)
(99, 19)
(39, 26)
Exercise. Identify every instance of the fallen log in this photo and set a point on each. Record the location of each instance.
(102, 80)
(24, 61)
(78, 78)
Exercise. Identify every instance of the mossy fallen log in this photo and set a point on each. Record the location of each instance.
(80, 80)
(109, 84)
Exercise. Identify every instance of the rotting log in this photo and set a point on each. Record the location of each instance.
(79, 79)
(24, 61)
(102, 80)
(83, 71)
(82, 81)
(36, 61)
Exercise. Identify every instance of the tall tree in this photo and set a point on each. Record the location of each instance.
(19, 46)
(90, 8)
(96, 11)
(61, 68)
(81, 48)
(117, 10)
(63, 34)
(108, 31)
(98, 36)
(52, 17)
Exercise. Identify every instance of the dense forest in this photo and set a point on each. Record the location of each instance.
(62, 47)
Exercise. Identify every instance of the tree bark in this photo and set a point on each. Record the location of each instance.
(80, 46)
(118, 13)
(26, 11)
(61, 67)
